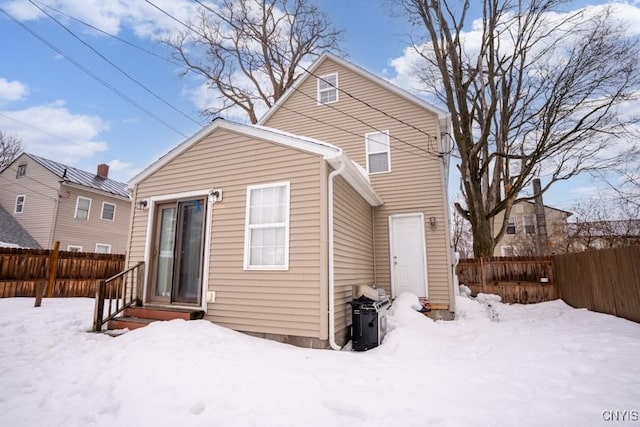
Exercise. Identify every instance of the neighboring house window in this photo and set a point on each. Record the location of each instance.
(74, 248)
(529, 224)
(20, 203)
(378, 152)
(328, 88)
(83, 205)
(22, 171)
(511, 226)
(102, 248)
(108, 211)
(267, 227)
(507, 251)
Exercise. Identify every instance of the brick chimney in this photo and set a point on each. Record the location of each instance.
(103, 170)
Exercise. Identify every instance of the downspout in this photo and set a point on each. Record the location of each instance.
(332, 302)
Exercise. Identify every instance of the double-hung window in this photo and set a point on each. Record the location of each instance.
(328, 88)
(103, 248)
(108, 211)
(20, 203)
(378, 152)
(83, 205)
(22, 171)
(267, 227)
(529, 224)
(511, 226)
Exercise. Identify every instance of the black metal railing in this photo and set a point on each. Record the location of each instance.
(118, 293)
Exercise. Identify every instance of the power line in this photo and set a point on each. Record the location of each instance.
(438, 154)
(342, 129)
(39, 130)
(127, 42)
(93, 75)
(27, 188)
(152, 93)
(220, 16)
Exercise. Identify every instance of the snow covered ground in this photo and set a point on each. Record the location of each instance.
(537, 365)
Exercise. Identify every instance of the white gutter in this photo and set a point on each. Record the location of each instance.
(332, 302)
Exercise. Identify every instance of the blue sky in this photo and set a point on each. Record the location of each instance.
(62, 113)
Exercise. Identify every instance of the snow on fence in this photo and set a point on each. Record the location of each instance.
(75, 275)
(606, 280)
(521, 280)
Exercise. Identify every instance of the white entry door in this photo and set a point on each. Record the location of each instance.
(408, 254)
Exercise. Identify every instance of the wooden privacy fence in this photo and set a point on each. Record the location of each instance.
(516, 279)
(606, 280)
(75, 273)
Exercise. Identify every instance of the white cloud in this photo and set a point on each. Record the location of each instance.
(112, 15)
(54, 132)
(12, 90)
(122, 171)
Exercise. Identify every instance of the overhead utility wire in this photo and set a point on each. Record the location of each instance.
(439, 155)
(366, 124)
(343, 129)
(127, 42)
(39, 130)
(319, 77)
(127, 75)
(93, 75)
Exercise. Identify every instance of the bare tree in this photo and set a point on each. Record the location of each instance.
(461, 235)
(250, 51)
(624, 177)
(10, 147)
(531, 92)
(604, 222)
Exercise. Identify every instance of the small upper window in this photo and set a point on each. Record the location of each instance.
(83, 205)
(102, 248)
(108, 211)
(22, 171)
(74, 248)
(328, 88)
(511, 226)
(529, 224)
(20, 203)
(378, 152)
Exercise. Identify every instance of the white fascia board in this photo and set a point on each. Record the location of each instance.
(273, 135)
(356, 180)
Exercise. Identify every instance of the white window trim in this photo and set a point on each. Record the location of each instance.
(70, 247)
(105, 245)
(388, 151)
(15, 207)
(247, 240)
(155, 200)
(102, 211)
(319, 91)
(75, 215)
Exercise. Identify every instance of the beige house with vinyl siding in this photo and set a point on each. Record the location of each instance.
(256, 224)
(53, 202)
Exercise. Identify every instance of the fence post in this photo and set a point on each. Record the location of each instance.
(39, 293)
(99, 306)
(53, 268)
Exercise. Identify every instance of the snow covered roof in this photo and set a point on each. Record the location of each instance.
(12, 234)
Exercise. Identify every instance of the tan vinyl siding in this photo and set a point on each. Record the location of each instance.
(271, 302)
(41, 190)
(416, 183)
(353, 249)
(87, 233)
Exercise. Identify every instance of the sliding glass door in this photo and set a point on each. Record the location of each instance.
(178, 252)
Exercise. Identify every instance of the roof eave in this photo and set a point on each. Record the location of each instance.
(355, 179)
